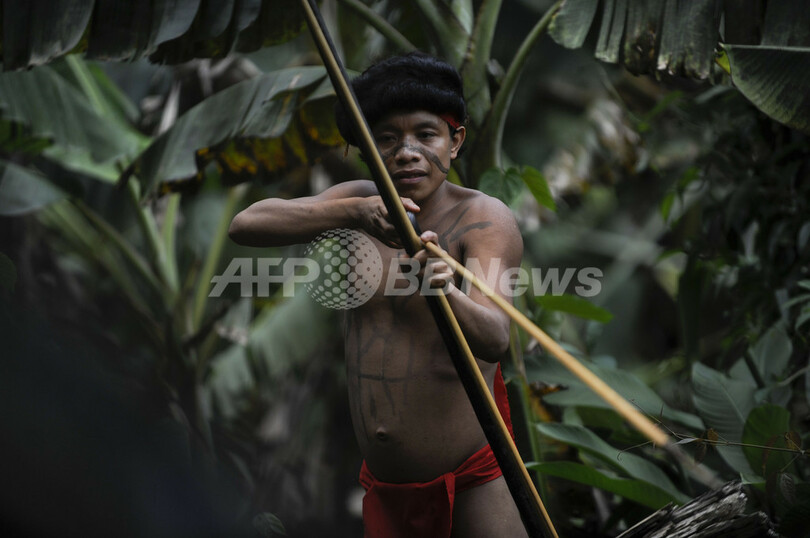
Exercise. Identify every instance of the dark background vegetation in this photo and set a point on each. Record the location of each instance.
(134, 405)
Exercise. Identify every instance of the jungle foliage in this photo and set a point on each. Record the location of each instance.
(664, 143)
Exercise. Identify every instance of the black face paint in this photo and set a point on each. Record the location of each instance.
(435, 159)
(429, 155)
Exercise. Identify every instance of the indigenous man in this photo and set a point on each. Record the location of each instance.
(428, 469)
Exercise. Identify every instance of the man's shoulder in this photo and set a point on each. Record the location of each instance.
(479, 203)
(489, 223)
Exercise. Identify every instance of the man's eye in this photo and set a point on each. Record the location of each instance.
(386, 139)
(426, 135)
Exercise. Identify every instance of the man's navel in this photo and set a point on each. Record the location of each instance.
(381, 435)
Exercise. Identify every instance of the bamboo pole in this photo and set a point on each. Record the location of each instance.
(644, 425)
(602, 389)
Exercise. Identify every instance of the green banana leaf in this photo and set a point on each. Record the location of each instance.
(775, 79)
(639, 491)
(769, 426)
(450, 23)
(51, 107)
(244, 128)
(724, 404)
(37, 31)
(646, 36)
(770, 355)
(766, 45)
(625, 383)
(23, 190)
(575, 305)
(572, 22)
(628, 463)
(58, 30)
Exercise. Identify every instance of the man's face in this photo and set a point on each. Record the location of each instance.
(417, 148)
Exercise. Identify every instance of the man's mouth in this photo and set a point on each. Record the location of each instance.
(410, 176)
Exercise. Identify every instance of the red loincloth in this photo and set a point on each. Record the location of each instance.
(425, 509)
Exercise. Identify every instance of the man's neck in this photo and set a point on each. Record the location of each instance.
(434, 200)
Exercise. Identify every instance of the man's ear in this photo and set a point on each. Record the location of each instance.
(456, 141)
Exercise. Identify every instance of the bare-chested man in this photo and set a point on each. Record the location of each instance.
(428, 469)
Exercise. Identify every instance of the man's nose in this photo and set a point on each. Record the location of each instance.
(407, 152)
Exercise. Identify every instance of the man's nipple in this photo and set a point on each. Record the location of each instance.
(381, 435)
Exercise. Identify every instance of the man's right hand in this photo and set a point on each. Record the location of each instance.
(373, 218)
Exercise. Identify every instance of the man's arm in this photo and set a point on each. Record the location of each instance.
(488, 252)
(278, 222)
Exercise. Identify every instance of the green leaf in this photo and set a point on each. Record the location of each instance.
(133, 29)
(538, 186)
(99, 91)
(767, 425)
(448, 24)
(724, 404)
(571, 23)
(680, 38)
(51, 107)
(631, 464)
(37, 31)
(770, 355)
(614, 15)
(775, 79)
(688, 38)
(639, 47)
(645, 35)
(23, 190)
(803, 237)
(803, 318)
(666, 205)
(136, 29)
(214, 18)
(577, 306)
(625, 383)
(171, 19)
(213, 33)
(82, 162)
(722, 60)
(259, 108)
(278, 22)
(16, 140)
(772, 352)
(94, 245)
(505, 186)
(268, 524)
(635, 490)
(787, 24)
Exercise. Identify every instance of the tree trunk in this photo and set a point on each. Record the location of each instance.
(715, 514)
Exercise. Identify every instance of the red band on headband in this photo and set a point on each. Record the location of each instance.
(454, 123)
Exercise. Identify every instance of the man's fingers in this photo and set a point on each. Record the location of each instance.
(440, 274)
(410, 205)
(429, 236)
(421, 257)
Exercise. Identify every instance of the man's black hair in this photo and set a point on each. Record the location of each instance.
(410, 82)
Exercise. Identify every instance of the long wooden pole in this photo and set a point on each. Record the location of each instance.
(644, 425)
(533, 514)
(602, 389)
